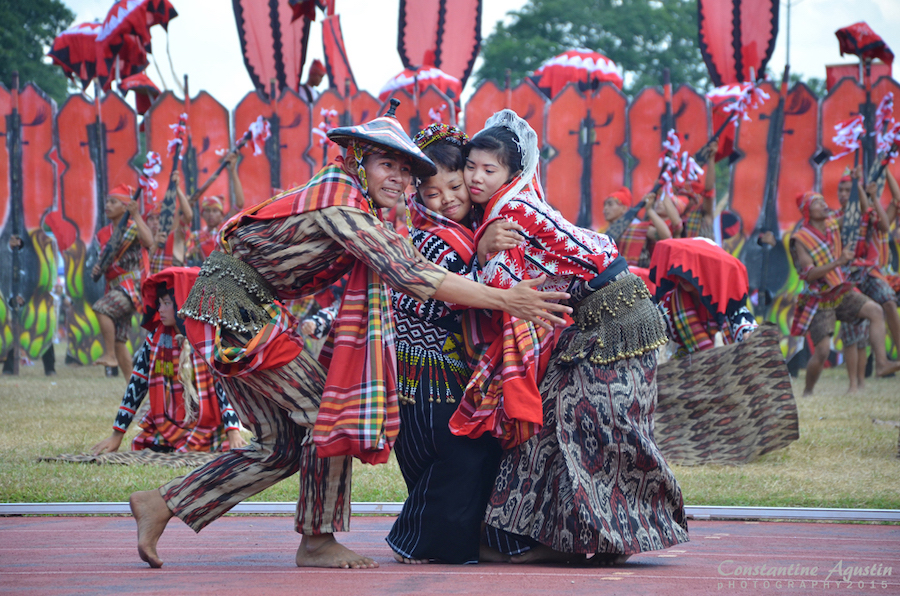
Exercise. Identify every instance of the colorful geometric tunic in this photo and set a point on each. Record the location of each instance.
(448, 477)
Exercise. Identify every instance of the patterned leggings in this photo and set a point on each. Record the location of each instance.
(279, 406)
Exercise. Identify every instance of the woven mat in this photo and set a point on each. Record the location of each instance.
(144, 457)
(727, 405)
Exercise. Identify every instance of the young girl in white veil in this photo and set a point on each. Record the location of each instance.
(584, 476)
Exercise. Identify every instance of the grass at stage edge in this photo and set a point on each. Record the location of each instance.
(842, 459)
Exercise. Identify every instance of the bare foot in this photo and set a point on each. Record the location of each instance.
(807, 393)
(545, 554)
(106, 361)
(151, 514)
(325, 551)
(887, 368)
(609, 559)
(487, 554)
(401, 559)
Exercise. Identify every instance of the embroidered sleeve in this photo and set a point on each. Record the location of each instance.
(388, 253)
(136, 390)
(742, 323)
(229, 418)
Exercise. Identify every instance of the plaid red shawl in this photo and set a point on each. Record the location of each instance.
(632, 242)
(116, 275)
(827, 290)
(166, 416)
(691, 324)
(359, 414)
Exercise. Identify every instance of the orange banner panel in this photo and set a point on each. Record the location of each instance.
(585, 133)
(254, 171)
(525, 100)
(79, 196)
(37, 111)
(5, 191)
(208, 130)
(748, 173)
(120, 123)
(797, 173)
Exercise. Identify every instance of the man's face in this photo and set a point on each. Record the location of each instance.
(114, 208)
(314, 78)
(388, 175)
(613, 209)
(818, 209)
(844, 191)
(213, 216)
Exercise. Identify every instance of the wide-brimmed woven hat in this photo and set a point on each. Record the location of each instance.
(385, 132)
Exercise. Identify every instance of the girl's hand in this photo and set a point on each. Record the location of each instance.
(499, 236)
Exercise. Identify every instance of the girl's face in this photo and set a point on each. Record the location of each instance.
(167, 311)
(446, 193)
(484, 175)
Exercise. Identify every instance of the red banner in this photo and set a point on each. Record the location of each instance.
(737, 36)
(446, 32)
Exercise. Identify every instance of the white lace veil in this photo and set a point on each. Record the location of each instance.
(528, 146)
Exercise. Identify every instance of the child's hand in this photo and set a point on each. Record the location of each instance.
(499, 236)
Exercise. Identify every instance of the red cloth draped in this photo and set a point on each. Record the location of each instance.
(720, 278)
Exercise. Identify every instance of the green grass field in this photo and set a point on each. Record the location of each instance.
(846, 455)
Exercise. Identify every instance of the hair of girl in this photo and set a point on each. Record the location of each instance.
(446, 155)
(502, 142)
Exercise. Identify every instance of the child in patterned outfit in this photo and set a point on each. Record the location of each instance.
(448, 477)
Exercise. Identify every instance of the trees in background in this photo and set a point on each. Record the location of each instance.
(642, 36)
(27, 29)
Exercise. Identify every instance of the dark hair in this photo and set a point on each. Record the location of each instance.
(446, 154)
(503, 143)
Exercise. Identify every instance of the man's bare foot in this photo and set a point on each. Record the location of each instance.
(106, 361)
(406, 561)
(545, 554)
(325, 551)
(151, 514)
(487, 554)
(609, 559)
(807, 393)
(887, 368)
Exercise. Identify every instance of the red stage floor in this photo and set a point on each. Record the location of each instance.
(255, 555)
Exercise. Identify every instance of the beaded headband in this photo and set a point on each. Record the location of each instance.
(440, 132)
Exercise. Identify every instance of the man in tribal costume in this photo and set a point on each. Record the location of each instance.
(288, 248)
(123, 277)
(819, 258)
(633, 237)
